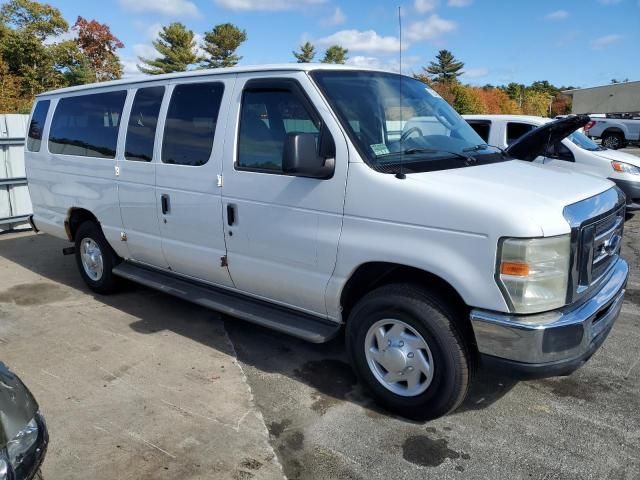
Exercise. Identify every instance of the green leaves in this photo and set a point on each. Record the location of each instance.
(176, 46)
(335, 54)
(306, 54)
(220, 45)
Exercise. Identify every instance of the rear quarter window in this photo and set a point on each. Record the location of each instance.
(87, 125)
(36, 126)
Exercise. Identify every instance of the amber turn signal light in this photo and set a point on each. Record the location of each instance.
(515, 269)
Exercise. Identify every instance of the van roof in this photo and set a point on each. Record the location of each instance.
(282, 67)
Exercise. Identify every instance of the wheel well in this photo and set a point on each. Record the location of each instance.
(612, 130)
(75, 218)
(370, 276)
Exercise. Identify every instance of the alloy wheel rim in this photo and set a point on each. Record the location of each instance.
(91, 257)
(399, 357)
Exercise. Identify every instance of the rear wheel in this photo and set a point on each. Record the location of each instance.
(406, 348)
(95, 258)
(613, 140)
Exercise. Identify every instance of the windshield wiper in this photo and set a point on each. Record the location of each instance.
(484, 146)
(413, 151)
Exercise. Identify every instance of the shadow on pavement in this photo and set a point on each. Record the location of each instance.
(323, 367)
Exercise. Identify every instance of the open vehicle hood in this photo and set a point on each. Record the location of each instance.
(17, 405)
(533, 144)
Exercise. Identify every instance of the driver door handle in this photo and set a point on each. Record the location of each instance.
(164, 202)
(231, 214)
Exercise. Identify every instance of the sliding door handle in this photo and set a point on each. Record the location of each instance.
(164, 201)
(231, 214)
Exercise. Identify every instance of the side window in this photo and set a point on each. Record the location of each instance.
(482, 129)
(267, 116)
(141, 131)
(516, 130)
(36, 126)
(559, 151)
(191, 123)
(87, 125)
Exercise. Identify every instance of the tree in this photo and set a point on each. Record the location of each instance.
(176, 47)
(37, 19)
(335, 54)
(221, 43)
(615, 80)
(536, 103)
(307, 52)
(446, 68)
(466, 101)
(99, 45)
(73, 64)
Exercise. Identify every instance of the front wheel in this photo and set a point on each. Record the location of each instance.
(613, 141)
(406, 348)
(95, 258)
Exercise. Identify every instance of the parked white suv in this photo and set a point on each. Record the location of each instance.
(279, 195)
(577, 152)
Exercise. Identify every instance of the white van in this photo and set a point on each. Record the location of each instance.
(577, 152)
(280, 195)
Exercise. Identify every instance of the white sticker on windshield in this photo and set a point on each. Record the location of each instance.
(379, 149)
(433, 93)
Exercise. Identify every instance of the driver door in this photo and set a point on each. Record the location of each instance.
(281, 231)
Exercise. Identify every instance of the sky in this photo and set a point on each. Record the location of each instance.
(568, 42)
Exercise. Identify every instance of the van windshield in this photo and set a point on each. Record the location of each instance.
(398, 123)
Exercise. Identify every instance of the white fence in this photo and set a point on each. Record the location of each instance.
(15, 204)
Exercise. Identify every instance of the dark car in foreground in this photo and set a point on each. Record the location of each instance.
(23, 432)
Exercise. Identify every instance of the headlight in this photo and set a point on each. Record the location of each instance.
(533, 272)
(625, 168)
(12, 456)
(19, 445)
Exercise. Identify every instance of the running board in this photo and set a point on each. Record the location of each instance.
(297, 324)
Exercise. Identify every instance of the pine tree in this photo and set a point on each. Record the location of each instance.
(176, 47)
(446, 68)
(307, 52)
(335, 54)
(221, 44)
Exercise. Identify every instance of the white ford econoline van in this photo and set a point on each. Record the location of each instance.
(577, 152)
(286, 196)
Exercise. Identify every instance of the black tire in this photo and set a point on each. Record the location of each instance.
(613, 140)
(435, 322)
(107, 282)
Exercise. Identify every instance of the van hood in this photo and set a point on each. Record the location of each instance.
(17, 405)
(533, 144)
(521, 193)
(618, 156)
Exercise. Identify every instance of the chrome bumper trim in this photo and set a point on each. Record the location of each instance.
(559, 335)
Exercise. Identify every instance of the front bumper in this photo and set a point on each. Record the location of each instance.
(631, 190)
(556, 342)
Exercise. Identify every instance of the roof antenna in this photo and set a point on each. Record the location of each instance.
(400, 175)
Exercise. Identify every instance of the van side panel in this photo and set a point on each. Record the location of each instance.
(58, 183)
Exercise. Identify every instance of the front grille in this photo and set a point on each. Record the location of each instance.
(600, 247)
(596, 233)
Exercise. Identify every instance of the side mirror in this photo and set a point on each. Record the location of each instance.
(305, 156)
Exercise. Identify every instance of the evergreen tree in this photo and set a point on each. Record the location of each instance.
(176, 47)
(306, 54)
(446, 68)
(335, 54)
(221, 44)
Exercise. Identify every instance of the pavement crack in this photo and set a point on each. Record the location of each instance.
(252, 402)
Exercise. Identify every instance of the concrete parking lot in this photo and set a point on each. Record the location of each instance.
(140, 385)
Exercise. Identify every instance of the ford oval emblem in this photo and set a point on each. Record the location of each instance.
(612, 244)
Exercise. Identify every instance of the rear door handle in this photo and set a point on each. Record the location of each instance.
(164, 201)
(231, 214)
